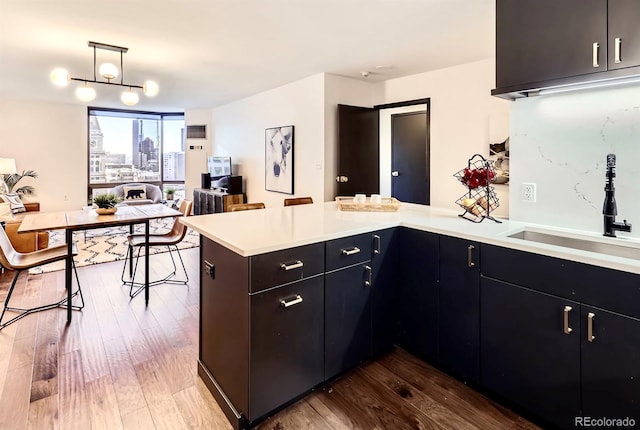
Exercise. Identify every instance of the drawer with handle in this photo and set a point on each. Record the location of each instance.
(348, 250)
(284, 266)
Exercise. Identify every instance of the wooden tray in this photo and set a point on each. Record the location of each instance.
(389, 204)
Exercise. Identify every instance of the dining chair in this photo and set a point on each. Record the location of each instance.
(298, 201)
(19, 262)
(245, 206)
(170, 239)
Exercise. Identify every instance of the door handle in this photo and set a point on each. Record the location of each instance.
(285, 303)
(470, 262)
(395, 173)
(596, 48)
(294, 265)
(565, 321)
(351, 251)
(590, 317)
(617, 46)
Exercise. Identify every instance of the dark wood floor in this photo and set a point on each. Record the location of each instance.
(123, 365)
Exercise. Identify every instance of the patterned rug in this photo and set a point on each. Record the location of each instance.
(110, 244)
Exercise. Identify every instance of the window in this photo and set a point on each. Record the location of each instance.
(129, 146)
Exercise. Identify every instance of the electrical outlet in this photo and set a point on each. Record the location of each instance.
(528, 192)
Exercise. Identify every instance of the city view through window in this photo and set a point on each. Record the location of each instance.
(136, 148)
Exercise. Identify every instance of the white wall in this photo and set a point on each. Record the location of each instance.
(50, 138)
(196, 159)
(560, 142)
(461, 108)
(239, 130)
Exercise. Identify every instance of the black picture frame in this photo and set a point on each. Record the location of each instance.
(278, 159)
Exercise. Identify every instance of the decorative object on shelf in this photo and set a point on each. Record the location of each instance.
(386, 204)
(278, 168)
(480, 199)
(108, 72)
(106, 203)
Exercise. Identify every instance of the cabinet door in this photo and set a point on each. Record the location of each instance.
(610, 364)
(347, 319)
(287, 341)
(540, 40)
(384, 264)
(624, 34)
(417, 294)
(459, 312)
(527, 357)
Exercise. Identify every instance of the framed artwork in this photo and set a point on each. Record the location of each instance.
(278, 159)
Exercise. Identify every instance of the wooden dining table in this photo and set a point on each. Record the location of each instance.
(88, 219)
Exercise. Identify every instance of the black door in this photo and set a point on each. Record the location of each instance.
(358, 151)
(539, 40)
(624, 34)
(409, 176)
(610, 364)
(530, 355)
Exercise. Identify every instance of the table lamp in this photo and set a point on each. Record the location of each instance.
(7, 167)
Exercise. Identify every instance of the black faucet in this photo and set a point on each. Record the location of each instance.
(609, 210)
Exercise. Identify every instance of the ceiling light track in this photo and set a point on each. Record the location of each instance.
(107, 71)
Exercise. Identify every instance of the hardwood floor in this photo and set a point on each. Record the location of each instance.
(121, 365)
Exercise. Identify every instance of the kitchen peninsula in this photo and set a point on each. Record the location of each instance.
(292, 297)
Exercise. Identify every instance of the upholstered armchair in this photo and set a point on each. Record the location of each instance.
(138, 193)
(25, 242)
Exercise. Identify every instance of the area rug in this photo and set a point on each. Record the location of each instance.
(110, 244)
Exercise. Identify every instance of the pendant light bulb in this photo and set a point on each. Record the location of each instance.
(60, 77)
(150, 89)
(85, 93)
(129, 97)
(108, 71)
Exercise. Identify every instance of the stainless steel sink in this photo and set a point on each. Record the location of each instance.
(584, 244)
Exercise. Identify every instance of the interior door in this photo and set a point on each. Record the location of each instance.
(410, 178)
(358, 151)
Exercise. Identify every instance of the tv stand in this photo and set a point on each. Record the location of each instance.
(208, 201)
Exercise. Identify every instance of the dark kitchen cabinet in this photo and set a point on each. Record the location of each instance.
(459, 310)
(417, 293)
(610, 364)
(261, 327)
(531, 350)
(384, 266)
(624, 34)
(348, 283)
(287, 343)
(543, 40)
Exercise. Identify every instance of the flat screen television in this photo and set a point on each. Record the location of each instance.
(219, 167)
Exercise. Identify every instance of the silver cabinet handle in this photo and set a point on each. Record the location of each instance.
(395, 173)
(590, 317)
(470, 262)
(290, 266)
(285, 303)
(351, 251)
(566, 327)
(376, 244)
(596, 48)
(617, 46)
(369, 280)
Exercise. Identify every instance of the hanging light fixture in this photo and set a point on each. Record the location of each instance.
(108, 71)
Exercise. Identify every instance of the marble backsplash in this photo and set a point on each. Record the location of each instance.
(560, 142)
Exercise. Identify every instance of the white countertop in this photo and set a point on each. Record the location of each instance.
(259, 231)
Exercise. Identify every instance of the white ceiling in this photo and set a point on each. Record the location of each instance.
(205, 53)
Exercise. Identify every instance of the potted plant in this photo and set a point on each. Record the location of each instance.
(170, 192)
(106, 203)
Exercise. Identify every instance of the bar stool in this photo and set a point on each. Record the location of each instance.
(245, 206)
(298, 201)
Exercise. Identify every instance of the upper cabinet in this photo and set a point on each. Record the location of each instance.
(549, 43)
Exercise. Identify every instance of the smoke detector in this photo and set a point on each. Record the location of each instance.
(365, 74)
